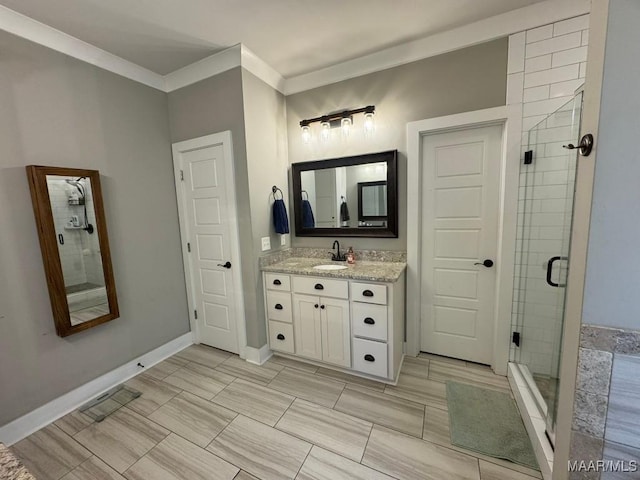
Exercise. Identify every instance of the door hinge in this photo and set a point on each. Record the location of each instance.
(182, 175)
(195, 314)
(528, 157)
(515, 338)
(188, 247)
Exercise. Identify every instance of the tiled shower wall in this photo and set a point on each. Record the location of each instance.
(545, 67)
(80, 253)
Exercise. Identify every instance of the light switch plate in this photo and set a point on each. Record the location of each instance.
(283, 240)
(266, 243)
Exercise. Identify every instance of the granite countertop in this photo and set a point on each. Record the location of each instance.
(375, 271)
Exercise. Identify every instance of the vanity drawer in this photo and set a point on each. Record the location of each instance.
(369, 320)
(321, 286)
(277, 281)
(369, 293)
(279, 306)
(370, 357)
(281, 337)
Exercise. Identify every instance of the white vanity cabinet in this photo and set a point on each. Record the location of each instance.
(355, 325)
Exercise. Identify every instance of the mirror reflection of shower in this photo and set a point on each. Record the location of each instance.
(78, 245)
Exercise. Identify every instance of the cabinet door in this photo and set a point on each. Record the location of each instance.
(336, 338)
(307, 329)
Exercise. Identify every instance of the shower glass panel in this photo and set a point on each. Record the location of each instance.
(545, 213)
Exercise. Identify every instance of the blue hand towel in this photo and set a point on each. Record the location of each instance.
(308, 221)
(280, 219)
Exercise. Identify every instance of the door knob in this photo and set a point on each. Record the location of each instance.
(226, 265)
(487, 263)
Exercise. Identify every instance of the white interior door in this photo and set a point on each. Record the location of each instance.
(206, 204)
(459, 231)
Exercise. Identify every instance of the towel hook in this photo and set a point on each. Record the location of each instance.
(275, 189)
(306, 193)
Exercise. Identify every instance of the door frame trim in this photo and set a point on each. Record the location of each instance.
(510, 117)
(223, 138)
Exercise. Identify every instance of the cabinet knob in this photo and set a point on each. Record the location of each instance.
(278, 306)
(316, 306)
(277, 282)
(367, 293)
(369, 321)
(369, 358)
(280, 336)
(319, 286)
(322, 307)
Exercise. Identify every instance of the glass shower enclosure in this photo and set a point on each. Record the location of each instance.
(545, 213)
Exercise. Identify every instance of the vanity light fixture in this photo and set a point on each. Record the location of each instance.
(343, 119)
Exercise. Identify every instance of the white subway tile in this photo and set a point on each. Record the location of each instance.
(543, 107)
(514, 88)
(558, 134)
(529, 122)
(555, 44)
(554, 75)
(567, 57)
(563, 89)
(585, 37)
(559, 177)
(571, 25)
(535, 93)
(583, 70)
(535, 64)
(540, 33)
(515, 58)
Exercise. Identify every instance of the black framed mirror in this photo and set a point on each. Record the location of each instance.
(347, 197)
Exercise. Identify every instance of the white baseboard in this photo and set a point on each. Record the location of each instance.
(257, 355)
(42, 416)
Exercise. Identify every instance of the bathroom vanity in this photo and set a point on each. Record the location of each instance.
(349, 319)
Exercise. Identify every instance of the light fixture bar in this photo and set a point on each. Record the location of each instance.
(338, 116)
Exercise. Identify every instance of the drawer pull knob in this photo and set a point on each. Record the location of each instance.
(280, 336)
(316, 306)
(278, 306)
(369, 358)
(322, 307)
(277, 282)
(367, 293)
(319, 286)
(369, 321)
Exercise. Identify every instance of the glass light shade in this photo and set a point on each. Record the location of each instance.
(369, 123)
(306, 134)
(325, 131)
(345, 125)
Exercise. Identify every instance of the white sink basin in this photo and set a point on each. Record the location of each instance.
(330, 267)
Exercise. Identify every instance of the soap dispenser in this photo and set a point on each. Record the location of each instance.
(351, 257)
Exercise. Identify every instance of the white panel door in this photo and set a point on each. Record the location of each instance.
(307, 327)
(207, 222)
(336, 335)
(459, 231)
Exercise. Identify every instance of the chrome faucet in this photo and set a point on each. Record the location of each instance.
(337, 257)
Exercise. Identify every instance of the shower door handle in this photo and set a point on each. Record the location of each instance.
(550, 271)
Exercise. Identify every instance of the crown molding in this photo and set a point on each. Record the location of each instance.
(207, 67)
(481, 31)
(30, 29)
(485, 30)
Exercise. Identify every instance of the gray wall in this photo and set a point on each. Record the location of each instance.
(266, 136)
(55, 110)
(469, 79)
(613, 262)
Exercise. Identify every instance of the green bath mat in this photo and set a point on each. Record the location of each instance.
(488, 422)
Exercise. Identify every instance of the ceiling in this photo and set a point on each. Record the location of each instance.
(292, 36)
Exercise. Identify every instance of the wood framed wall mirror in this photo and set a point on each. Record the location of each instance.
(69, 213)
(347, 197)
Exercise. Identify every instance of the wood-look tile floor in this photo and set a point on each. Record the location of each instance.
(206, 414)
